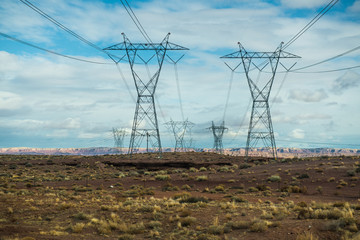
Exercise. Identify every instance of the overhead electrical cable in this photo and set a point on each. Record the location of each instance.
(178, 91)
(321, 143)
(135, 20)
(327, 60)
(332, 70)
(124, 80)
(50, 51)
(42, 13)
(311, 23)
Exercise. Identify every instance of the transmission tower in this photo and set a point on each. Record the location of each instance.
(145, 122)
(218, 132)
(119, 135)
(260, 127)
(179, 129)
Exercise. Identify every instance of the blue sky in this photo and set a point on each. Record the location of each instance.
(50, 101)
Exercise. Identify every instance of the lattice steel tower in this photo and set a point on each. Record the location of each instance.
(260, 127)
(145, 122)
(218, 132)
(179, 129)
(119, 135)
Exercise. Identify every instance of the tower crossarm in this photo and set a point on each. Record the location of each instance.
(146, 46)
(242, 54)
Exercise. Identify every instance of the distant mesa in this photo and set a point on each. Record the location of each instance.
(282, 152)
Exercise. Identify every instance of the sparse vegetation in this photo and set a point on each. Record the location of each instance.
(74, 197)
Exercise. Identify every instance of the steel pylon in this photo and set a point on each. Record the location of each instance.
(145, 123)
(260, 127)
(179, 129)
(119, 135)
(218, 132)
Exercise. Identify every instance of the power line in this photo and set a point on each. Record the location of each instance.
(321, 143)
(42, 13)
(178, 91)
(333, 70)
(136, 20)
(49, 51)
(329, 59)
(311, 23)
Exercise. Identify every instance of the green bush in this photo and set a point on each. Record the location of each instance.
(274, 178)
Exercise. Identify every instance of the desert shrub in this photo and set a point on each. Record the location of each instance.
(126, 236)
(306, 236)
(161, 177)
(184, 175)
(192, 169)
(354, 179)
(274, 178)
(225, 169)
(136, 228)
(304, 175)
(185, 212)
(350, 173)
(245, 165)
(81, 216)
(342, 183)
(296, 189)
(182, 195)
(242, 224)
(13, 166)
(266, 215)
(206, 236)
(28, 164)
(201, 178)
(238, 199)
(168, 187)
(215, 229)
(185, 187)
(259, 226)
(253, 189)
(138, 191)
(202, 169)
(50, 162)
(319, 189)
(220, 188)
(262, 187)
(194, 200)
(187, 221)
(78, 227)
(332, 179)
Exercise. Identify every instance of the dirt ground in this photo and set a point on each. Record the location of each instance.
(178, 196)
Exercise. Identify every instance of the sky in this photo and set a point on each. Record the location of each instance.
(51, 101)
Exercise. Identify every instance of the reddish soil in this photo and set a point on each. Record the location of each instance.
(40, 195)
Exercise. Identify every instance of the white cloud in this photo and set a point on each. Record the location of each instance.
(347, 81)
(306, 95)
(297, 133)
(303, 3)
(355, 8)
(10, 101)
(69, 98)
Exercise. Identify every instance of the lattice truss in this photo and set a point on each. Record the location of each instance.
(260, 69)
(218, 132)
(150, 55)
(180, 129)
(119, 135)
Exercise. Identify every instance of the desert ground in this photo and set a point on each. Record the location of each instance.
(178, 196)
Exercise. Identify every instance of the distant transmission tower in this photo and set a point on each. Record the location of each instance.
(145, 122)
(218, 132)
(179, 129)
(119, 135)
(260, 127)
